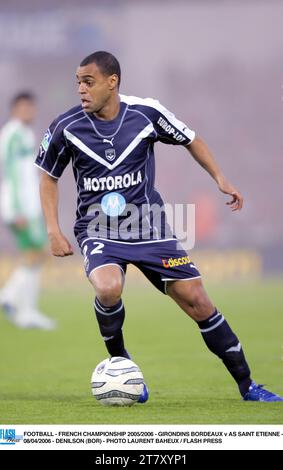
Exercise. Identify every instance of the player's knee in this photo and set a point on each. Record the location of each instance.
(109, 293)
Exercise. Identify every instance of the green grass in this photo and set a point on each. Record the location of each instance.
(45, 376)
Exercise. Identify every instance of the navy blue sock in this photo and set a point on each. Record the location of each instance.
(221, 340)
(110, 321)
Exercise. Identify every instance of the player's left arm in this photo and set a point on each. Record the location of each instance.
(201, 153)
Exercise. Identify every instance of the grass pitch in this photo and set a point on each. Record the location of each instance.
(45, 376)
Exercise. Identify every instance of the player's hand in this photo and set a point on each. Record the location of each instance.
(236, 202)
(59, 244)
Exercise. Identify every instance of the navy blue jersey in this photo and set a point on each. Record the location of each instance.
(113, 162)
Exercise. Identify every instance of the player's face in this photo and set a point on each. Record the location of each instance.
(95, 89)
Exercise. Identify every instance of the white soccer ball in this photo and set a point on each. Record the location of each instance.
(117, 381)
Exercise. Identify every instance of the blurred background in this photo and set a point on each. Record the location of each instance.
(216, 64)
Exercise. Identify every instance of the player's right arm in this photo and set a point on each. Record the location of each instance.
(53, 157)
(59, 244)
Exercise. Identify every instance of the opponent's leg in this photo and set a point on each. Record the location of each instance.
(19, 296)
(28, 313)
(109, 309)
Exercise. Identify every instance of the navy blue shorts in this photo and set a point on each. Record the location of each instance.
(160, 261)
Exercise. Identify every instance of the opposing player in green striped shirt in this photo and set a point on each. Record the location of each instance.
(21, 212)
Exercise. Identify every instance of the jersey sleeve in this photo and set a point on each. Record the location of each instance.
(54, 153)
(169, 129)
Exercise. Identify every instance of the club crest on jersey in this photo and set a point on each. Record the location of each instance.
(110, 154)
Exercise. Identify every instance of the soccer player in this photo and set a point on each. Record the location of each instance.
(110, 139)
(21, 212)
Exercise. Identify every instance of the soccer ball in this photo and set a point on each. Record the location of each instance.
(117, 381)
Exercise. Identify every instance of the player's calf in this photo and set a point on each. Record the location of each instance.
(216, 332)
(109, 309)
(110, 321)
(223, 342)
(191, 297)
